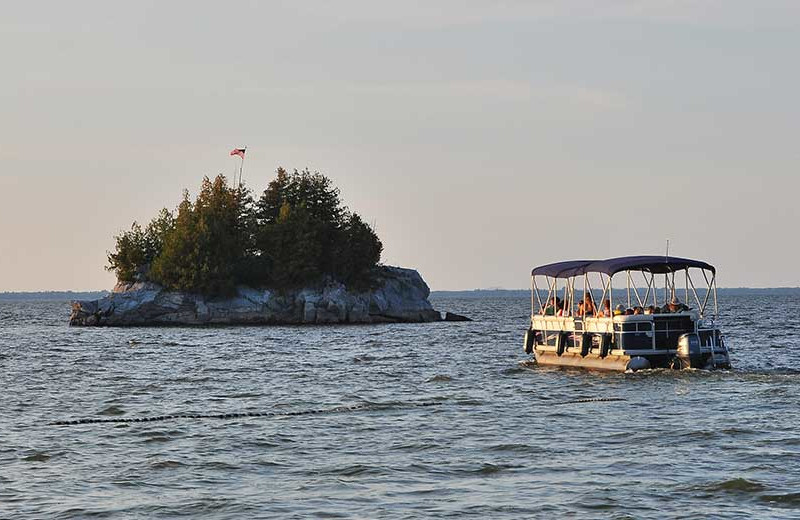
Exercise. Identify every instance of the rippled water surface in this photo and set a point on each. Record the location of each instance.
(502, 442)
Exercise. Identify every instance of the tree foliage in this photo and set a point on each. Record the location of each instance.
(207, 244)
(136, 249)
(296, 234)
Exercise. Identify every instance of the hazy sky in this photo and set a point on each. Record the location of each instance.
(482, 138)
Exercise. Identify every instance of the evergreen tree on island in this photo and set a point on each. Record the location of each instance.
(297, 234)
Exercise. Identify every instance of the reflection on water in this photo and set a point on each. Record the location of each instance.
(507, 439)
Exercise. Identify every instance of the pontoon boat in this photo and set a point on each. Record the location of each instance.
(623, 329)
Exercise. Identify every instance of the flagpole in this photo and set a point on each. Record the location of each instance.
(241, 165)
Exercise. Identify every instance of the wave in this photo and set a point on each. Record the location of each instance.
(166, 464)
(112, 410)
(37, 457)
(737, 485)
(439, 378)
(789, 499)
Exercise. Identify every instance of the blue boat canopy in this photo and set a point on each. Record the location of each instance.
(651, 264)
(563, 269)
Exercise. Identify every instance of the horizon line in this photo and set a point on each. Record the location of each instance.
(494, 289)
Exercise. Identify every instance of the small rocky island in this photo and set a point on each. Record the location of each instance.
(402, 296)
(294, 256)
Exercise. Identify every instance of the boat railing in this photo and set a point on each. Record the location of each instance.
(637, 333)
(605, 324)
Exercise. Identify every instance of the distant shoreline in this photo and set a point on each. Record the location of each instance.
(467, 293)
(502, 293)
(52, 295)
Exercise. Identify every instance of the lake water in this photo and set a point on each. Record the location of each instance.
(503, 440)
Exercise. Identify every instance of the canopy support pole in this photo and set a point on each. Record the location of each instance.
(606, 287)
(628, 273)
(533, 297)
(636, 290)
(649, 288)
(696, 296)
(572, 296)
(591, 297)
(686, 296)
(709, 291)
(585, 285)
(652, 283)
(716, 311)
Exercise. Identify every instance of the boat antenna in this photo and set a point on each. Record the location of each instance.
(667, 292)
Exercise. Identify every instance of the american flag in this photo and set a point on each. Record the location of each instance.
(239, 152)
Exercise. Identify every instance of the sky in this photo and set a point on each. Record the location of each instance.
(480, 138)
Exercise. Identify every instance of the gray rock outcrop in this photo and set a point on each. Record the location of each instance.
(401, 296)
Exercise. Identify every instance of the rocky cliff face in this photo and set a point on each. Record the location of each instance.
(402, 296)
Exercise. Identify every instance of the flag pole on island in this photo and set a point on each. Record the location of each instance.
(240, 152)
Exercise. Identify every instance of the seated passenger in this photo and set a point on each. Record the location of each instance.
(606, 312)
(657, 310)
(579, 312)
(552, 306)
(638, 310)
(619, 310)
(650, 310)
(675, 305)
(588, 306)
(628, 312)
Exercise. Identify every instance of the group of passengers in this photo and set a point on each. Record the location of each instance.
(555, 307)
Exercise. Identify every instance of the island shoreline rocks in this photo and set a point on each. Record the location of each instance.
(400, 296)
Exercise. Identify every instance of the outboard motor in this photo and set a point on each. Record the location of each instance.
(530, 339)
(605, 345)
(689, 353)
(586, 343)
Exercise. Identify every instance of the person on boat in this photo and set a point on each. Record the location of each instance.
(553, 306)
(650, 310)
(675, 305)
(606, 312)
(619, 310)
(588, 306)
(638, 310)
(657, 310)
